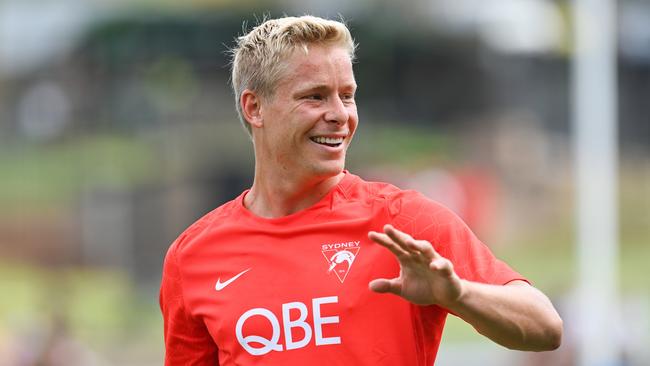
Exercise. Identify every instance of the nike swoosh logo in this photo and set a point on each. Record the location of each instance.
(221, 285)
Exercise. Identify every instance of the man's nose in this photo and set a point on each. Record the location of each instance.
(337, 112)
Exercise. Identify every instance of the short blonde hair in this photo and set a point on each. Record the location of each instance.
(258, 58)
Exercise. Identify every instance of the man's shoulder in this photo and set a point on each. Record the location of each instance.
(379, 190)
(217, 217)
(397, 200)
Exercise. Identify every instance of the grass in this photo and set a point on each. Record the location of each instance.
(101, 309)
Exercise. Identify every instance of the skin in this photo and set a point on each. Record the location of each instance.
(516, 316)
(314, 98)
(292, 172)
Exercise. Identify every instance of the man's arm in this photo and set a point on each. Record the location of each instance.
(187, 341)
(516, 315)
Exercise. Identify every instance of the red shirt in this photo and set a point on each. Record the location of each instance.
(238, 289)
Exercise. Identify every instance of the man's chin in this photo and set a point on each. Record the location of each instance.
(329, 169)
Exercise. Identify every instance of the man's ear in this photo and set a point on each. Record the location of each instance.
(251, 106)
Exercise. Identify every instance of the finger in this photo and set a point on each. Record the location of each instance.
(442, 266)
(398, 236)
(385, 241)
(382, 286)
(403, 240)
(423, 247)
(427, 248)
(408, 243)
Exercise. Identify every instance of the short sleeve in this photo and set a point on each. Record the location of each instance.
(187, 341)
(428, 220)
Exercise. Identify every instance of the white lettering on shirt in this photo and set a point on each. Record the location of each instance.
(319, 321)
(268, 345)
(251, 342)
(298, 323)
(350, 244)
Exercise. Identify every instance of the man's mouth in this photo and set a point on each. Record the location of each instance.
(328, 141)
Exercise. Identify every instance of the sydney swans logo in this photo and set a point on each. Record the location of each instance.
(340, 257)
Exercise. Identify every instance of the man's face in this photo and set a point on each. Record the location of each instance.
(309, 121)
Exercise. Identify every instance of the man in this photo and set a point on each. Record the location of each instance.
(294, 271)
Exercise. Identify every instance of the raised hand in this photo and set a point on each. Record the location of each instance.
(425, 277)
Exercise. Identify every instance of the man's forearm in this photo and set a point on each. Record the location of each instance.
(516, 316)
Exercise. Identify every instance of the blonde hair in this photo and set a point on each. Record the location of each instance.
(258, 59)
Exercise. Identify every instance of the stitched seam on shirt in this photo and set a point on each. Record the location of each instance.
(343, 191)
(180, 277)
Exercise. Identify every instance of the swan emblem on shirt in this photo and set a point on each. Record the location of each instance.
(340, 257)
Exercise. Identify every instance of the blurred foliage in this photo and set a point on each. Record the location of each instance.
(34, 176)
(403, 145)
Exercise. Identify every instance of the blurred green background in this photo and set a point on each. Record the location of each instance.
(118, 129)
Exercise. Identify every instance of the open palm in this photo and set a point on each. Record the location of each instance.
(425, 278)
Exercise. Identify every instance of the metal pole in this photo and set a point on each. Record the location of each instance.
(595, 143)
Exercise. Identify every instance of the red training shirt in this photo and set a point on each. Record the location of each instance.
(238, 289)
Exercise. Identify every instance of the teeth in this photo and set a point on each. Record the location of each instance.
(327, 140)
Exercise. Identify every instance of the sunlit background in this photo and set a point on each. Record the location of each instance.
(118, 129)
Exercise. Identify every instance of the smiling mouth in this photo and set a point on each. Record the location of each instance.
(328, 141)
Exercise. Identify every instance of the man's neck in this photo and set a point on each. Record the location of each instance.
(275, 195)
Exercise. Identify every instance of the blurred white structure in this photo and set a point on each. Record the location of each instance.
(595, 141)
(35, 32)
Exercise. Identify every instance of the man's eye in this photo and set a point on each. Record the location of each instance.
(348, 98)
(314, 97)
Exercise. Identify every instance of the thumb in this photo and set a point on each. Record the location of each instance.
(382, 285)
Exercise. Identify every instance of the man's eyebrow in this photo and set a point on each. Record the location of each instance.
(302, 90)
(321, 87)
(313, 87)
